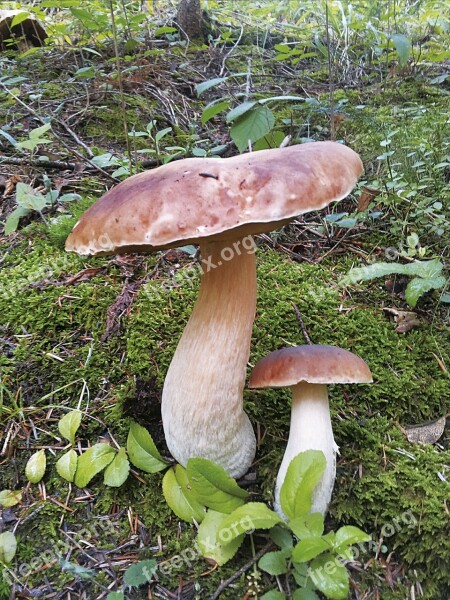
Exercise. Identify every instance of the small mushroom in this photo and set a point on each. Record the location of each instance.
(28, 33)
(307, 370)
(218, 204)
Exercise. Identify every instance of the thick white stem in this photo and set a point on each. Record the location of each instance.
(202, 408)
(310, 430)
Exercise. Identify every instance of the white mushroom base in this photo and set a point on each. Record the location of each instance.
(310, 430)
(202, 402)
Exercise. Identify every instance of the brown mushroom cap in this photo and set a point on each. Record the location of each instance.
(313, 364)
(195, 199)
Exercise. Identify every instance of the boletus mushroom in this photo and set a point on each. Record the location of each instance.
(307, 370)
(218, 204)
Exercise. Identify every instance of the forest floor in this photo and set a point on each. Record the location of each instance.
(92, 333)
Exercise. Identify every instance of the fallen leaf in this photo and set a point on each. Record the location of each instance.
(425, 433)
(10, 185)
(367, 196)
(440, 362)
(406, 320)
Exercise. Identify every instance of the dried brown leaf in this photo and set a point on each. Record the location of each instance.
(406, 320)
(425, 433)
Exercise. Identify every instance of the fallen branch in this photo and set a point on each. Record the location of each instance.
(240, 571)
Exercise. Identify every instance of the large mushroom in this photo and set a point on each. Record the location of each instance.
(218, 204)
(307, 370)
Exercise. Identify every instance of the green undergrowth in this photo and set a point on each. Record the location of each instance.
(58, 359)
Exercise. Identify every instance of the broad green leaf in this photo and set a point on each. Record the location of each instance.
(427, 269)
(105, 160)
(68, 425)
(66, 466)
(309, 548)
(160, 134)
(118, 469)
(210, 543)
(142, 450)
(115, 596)
(8, 546)
(240, 110)
(273, 139)
(307, 526)
(36, 133)
(165, 29)
(403, 46)
(200, 88)
(10, 498)
(213, 486)
(330, 577)
(76, 570)
(247, 518)
(418, 286)
(274, 563)
(91, 462)
(347, 536)
(19, 18)
(252, 126)
(213, 109)
(303, 474)
(140, 573)
(12, 222)
(282, 537)
(35, 467)
(273, 595)
(27, 198)
(6, 135)
(180, 497)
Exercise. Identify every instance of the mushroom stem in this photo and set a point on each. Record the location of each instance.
(202, 401)
(310, 430)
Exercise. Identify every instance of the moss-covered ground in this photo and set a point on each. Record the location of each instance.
(58, 352)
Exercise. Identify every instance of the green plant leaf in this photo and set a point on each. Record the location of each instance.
(180, 497)
(160, 134)
(35, 134)
(309, 548)
(202, 87)
(91, 462)
(213, 109)
(142, 450)
(19, 18)
(240, 110)
(8, 546)
(213, 486)
(209, 542)
(282, 537)
(307, 526)
(35, 467)
(427, 269)
(418, 286)
(252, 126)
(303, 474)
(273, 595)
(274, 563)
(247, 518)
(330, 576)
(12, 222)
(10, 498)
(117, 471)
(68, 425)
(347, 536)
(140, 573)
(403, 46)
(66, 466)
(115, 596)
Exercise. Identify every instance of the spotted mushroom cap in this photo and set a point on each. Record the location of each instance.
(311, 363)
(197, 199)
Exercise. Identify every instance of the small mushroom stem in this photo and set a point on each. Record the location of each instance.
(310, 430)
(202, 401)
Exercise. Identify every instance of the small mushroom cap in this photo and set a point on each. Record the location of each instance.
(312, 363)
(197, 199)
